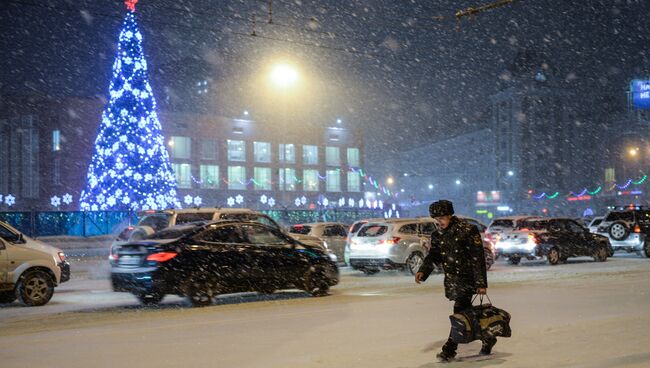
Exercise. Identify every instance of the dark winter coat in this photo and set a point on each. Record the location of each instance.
(459, 250)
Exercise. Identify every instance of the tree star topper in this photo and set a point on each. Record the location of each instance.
(130, 4)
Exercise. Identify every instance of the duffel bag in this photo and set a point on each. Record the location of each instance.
(480, 322)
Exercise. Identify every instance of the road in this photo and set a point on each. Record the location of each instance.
(581, 314)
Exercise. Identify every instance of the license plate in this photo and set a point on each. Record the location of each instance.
(130, 260)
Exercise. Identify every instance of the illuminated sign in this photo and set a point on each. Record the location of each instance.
(488, 198)
(640, 91)
(580, 198)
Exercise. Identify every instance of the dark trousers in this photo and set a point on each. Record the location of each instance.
(460, 304)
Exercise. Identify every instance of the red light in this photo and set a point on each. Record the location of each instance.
(637, 229)
(524, 229)
(532, 238)
(394, 240)
(162, 256)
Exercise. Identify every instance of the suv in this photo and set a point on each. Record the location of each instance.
(554, 238)
(29, 269)
(152, 221)
(627, 229)
(391, 244)
(332, 234)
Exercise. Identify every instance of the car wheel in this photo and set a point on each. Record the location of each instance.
(553, 256)
(369, 271)
(7, 297)
(489, 258)
(35, 288)
(600, 255)
(618, 230)
(413, 262)
(200, 293)
(150, 299)
(315, 281)
(514, 260)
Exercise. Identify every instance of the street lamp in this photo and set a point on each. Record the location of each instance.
(390, 180)
(633, 151)
(284, 75)
(511, 173)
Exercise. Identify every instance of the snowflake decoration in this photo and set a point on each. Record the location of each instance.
(297, 202)
(239, 199)
(381, 205)
(303, 200)
(55, 201)
(351, 202)
(326, 202)
(188, 199)
(231, 201)
(198, 201)
(368, 204)
(361, 203)
(263, 199)
(341, 202)
(271, 202)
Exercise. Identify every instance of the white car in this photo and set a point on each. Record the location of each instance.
(29, 269)
(333, 235)
(505, 224)
(593, 225)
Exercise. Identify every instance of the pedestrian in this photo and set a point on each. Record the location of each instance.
(457, 247)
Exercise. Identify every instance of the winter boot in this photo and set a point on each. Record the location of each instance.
(445, 356)
(486, 349)
(448, 351)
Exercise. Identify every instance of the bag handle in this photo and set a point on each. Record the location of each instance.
(481, 299)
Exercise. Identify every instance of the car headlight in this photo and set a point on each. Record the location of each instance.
(325, 245)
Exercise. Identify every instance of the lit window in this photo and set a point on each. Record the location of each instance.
(262, 151)
(209, 176)
(208, 149)
(353, 157)
(236, 150)
(262, 178)
(310, 155)
(310, 180)
(332, 156)
(287, 153)
(236, 177)
(56, 140)
(333, 181)
(287, 179)
(183, 174)
(181, 147)
(354, 182)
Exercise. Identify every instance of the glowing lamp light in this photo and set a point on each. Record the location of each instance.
(284, 75)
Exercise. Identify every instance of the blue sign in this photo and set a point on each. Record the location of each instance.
(640, 90)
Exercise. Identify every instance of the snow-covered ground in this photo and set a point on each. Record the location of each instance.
(581, 314)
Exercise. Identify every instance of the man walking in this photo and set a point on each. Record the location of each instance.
(458, 248)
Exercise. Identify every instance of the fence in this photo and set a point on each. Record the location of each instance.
(93, 223)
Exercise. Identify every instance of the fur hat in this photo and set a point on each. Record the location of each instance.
(441, 208)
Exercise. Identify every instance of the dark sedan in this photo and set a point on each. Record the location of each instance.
(554, 238)
(204, 260)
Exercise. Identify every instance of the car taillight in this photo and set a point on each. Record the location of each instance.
(161, 256)
(394, 240)
(532, 239)
(61, 256)
(637, 229)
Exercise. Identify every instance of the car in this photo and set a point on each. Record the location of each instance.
(556, 239)
(226, 256)
(628, 229)
(594, 223)
(29, 269)
(354, 228)
(156, 220)
(504, 224)
(332, 234)
(391, 244)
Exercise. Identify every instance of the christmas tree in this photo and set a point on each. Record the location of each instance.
(130, 166)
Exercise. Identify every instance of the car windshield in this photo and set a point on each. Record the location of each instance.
(356, 226)
(300, 229)
(502, 223)
(156, 221)
(372, 230)
(596, 222)
(534, 225)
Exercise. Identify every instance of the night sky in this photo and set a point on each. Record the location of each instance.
(390, 67)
